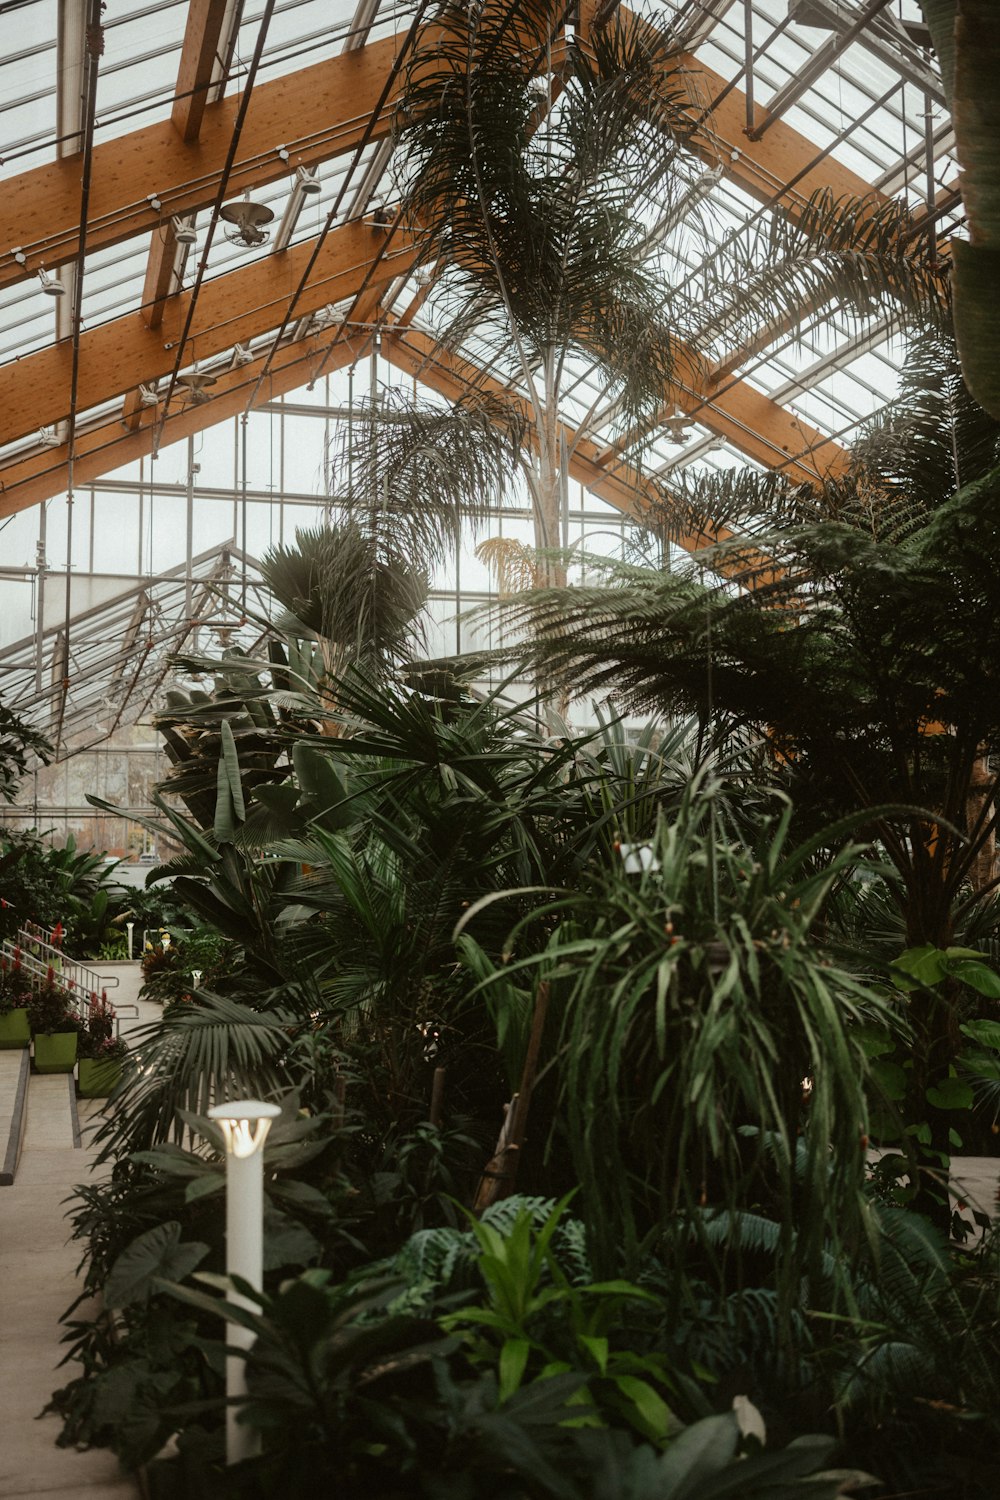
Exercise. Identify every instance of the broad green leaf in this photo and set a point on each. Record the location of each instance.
(890, 1078)
(951, 1093)
(156, 1255)
(653, 1416)
(597, 1348)
(699, 1452)
(231, 761)
(513, 1362)
(986, 1033)
(874, 1040)
(203, 1187)
(925, 965)
(980, 977)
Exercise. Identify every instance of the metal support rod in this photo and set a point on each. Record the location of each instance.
(748, 62)
(929, 170)
(821, 59)
(189, 550)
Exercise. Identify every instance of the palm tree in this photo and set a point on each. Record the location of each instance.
(549, 179)
(352, 591)
(862, 643)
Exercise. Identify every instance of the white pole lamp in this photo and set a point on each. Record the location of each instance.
(196, 977)
(245, 1124)
(130, 928)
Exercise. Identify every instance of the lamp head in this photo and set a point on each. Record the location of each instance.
(51, 285)
(184, 232)
(245, 1124)
(307, 183)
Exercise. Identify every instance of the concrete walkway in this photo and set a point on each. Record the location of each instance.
(37, 1283)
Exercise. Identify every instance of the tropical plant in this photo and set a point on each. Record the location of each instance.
(353, 591)
(860, 646)
(693, 1001)
(341, 1385)
(20, 744)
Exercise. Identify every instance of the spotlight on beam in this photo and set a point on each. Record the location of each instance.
(184, 231)
(51, 285)
(305, 186)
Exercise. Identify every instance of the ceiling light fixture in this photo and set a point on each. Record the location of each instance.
(149, 395)
(677, 428)
(194, 385)
(49, 437)
(241, 355)
(306, 185)
(51, 285)
(184, 231)
(246, 220)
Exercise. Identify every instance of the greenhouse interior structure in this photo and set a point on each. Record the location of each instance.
(500, 749)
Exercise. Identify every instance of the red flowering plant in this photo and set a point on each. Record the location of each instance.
(97, 1038)
(15, 990)
(51, 1009)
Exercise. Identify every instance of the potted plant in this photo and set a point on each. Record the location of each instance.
(55, 1027)
(15, 1030)
(99, 1051)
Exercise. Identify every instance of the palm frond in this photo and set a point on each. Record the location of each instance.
(852, 252)
(194, 1057)
(411, 473)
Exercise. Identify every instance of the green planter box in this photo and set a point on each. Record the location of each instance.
(14, 1030)
(56, 1053)
(96, 1080)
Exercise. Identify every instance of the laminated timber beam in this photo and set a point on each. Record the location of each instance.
(234, 308)
(318, 113)
(110, 445)
(194, 72)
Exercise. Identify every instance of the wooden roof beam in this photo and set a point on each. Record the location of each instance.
(235, 308)
(318, 113)
(109, 445)
(195, 71)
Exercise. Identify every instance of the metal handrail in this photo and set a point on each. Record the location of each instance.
(31, 937)
(37, 973)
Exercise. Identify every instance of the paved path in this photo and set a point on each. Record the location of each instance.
(37, 1284)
